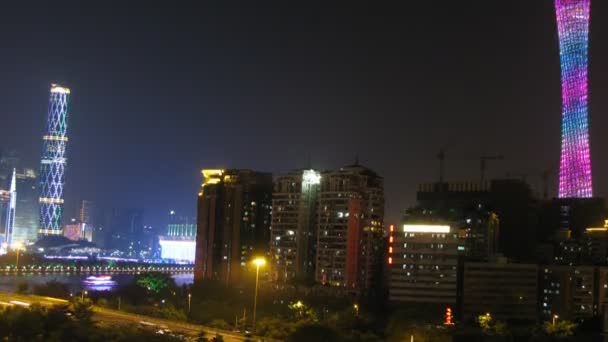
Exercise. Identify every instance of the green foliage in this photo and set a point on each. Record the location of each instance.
(155, 282)
(314, 332)
(492, 327)
(64, 323)
(52, 288)
(561, 328)
(219, 324)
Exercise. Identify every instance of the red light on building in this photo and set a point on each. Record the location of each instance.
(390, 249)
(392, 228)
(390, 260)
(390, 239)
(449, 318)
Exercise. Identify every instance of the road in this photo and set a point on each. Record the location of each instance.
(115, 317)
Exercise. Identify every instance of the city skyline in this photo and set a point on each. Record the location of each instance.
(196, 92)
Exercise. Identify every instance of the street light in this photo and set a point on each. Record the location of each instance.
(257, 262)
(17, 247)
(189, 302)
(555, 317)
(356, 307)
(84, 293)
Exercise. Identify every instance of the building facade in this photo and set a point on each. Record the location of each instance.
(350, 228)
(53, 163)
(568, 292)
(294, 226)
(233, 223)
(423, 263)
(27, 218)
(506, 291)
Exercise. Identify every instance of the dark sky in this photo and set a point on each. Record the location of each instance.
(162, 91)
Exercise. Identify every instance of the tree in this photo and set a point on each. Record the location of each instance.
(313, 332)
(82, 312)
(52, 288)
(561, 328)
(218, 338)
(155, 282)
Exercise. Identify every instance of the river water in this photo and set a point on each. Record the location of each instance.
(8, 282)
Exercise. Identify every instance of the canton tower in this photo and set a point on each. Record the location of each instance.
(575, 163)
(52, 165)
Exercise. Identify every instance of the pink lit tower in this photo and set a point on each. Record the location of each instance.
(575, 164)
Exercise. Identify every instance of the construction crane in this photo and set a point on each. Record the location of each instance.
(482, 165)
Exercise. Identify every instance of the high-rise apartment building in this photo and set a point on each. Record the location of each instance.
(350, 227)
(233, 222)
(53, 163)
(423, 262)
(294, 225)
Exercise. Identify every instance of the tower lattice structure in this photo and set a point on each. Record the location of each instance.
(53, 163)
(575, 164)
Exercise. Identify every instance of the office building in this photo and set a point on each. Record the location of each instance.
(350, 228)
(27, 215)
(423, 263)
(596, 244)
(53, 163)
(568, 291)
(179, 240)
(495, 215)
(233, 223)
(506, 291)
(294, 225)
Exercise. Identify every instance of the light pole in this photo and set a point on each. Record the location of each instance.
(189, 302)
(356, 307)
(257, 262)
(555, 317)
(85, 292)
(17, 247)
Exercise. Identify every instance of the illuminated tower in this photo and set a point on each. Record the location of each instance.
(52, 165)
(575, 163)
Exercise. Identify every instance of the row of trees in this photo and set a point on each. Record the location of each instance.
(64, 323)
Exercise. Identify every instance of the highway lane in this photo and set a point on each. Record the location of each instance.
(115, 317)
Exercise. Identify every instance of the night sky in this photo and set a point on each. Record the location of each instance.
(160, 92)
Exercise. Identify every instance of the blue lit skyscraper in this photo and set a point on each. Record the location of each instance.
(52, 165)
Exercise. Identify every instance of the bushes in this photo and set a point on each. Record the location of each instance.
(52, 288)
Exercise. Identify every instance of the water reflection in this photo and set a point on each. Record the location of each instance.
(75, 281)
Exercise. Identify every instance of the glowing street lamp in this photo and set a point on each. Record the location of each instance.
(189, 302)
(258, 262)
(555, 317)
(356, 307)
(17, 247)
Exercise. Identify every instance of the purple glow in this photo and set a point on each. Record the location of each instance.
(575, 165)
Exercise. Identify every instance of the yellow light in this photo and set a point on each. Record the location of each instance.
(259, 262)
(212, 176)
(17, 245)
(597, 229)
(423, 228)
(56, 88)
